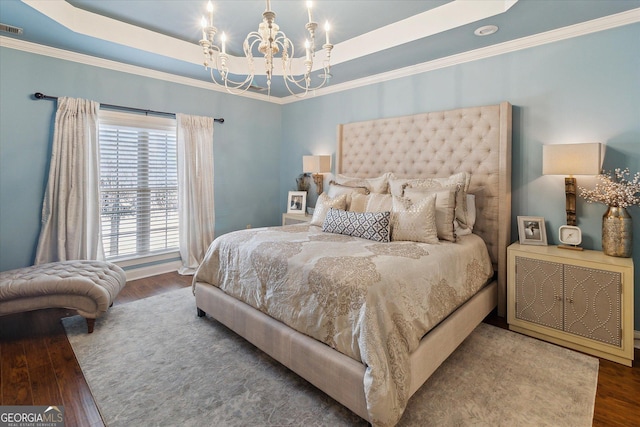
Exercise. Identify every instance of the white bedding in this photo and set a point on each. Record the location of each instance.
(371, 301)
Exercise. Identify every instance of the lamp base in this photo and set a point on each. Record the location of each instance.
(319, 180)
(570, 199)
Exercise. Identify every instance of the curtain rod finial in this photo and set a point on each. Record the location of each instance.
(38, 95)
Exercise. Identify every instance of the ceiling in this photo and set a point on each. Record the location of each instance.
(370, 37)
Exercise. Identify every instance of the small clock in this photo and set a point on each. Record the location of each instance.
(570, 235)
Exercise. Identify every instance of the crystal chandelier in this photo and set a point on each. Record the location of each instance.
(269, 41)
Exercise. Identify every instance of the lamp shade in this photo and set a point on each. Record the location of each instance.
(572, 159)
(316, 164)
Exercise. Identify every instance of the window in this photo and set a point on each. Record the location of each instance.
(138, 185)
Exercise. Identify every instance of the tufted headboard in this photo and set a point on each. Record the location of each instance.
(438, 144)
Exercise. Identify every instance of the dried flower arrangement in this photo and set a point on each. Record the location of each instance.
(616, 189)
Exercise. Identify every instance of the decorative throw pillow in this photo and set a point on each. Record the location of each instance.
(336, 190)
(359, 203)
(415, 222)
(379, 203)
(375, 185)
(445, 209)
(323, 204)
(374, 226)
(459, 181)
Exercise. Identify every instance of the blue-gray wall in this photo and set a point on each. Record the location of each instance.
(246, 146)
(585, 89)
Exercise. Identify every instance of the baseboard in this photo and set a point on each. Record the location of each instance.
(152, 270)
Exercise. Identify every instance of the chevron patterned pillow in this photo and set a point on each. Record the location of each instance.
(374, 226)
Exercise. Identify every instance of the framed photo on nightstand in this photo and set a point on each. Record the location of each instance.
(532, 231)
(297, 202)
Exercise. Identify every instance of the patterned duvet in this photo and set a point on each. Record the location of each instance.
(371, 301)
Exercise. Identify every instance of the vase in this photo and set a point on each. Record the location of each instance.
(617, 237)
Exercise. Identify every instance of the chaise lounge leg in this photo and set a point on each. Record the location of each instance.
(201, 313)
(90, 324)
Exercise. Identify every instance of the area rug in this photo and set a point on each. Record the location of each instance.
(153, 362)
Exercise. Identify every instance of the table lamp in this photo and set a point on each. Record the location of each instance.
(571, 159)
(316, 165)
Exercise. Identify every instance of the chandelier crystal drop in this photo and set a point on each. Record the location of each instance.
(270, 42)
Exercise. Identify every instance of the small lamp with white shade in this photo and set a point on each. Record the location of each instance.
(317, 165)
(571, 159)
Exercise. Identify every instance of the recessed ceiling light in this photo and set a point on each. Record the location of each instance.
(486, 30)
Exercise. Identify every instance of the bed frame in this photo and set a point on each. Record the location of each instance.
(437, 144)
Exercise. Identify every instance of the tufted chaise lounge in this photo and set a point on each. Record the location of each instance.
(86, 286)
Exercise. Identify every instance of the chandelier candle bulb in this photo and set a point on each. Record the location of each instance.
(210, 10)
(203, 22)
(327, 27)
(223, 38)
(309, 4)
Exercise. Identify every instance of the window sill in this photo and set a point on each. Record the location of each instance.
(129, 261)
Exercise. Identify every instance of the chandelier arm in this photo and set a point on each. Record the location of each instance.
(306, 88)
(305, 78)
(292, 92)
(236, 88)
(288, 75)
(232, 86)
(227, 72)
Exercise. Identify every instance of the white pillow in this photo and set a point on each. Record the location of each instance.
(374, 185)
(445, 209)
(323, 204)
(396, 186)
(471, 216)
(471, 210)
(414, 222)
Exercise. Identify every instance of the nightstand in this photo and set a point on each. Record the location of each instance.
(291, 218)
(581, 300)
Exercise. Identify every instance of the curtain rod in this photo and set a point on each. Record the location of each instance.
(39, 95)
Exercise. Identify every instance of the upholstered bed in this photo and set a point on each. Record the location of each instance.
(345, 351)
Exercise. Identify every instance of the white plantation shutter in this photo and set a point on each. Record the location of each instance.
(138, 184)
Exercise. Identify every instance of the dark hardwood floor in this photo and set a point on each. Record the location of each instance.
(38, 367)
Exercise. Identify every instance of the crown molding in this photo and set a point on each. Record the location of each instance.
(577, 30)
(108, 64)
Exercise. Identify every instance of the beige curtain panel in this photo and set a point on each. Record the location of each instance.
(71, 209)
(195, 189)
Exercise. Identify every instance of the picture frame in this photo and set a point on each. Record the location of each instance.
(297, 202)
(532, 230)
